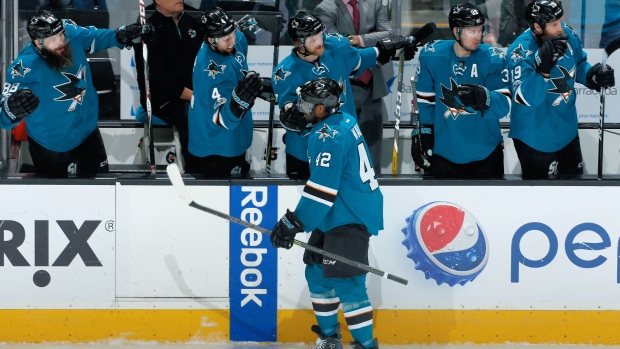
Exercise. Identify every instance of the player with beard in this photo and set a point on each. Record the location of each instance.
(462, 91)
(50, 84)
(545, 61)
(220, 119)
(318, 54)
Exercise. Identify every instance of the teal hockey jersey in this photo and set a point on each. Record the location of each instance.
(339, 61)
(342, 188)
(213, 129)
(69, 106)
(544, 115)
(462, 134)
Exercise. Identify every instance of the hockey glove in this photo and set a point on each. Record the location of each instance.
(267, 90)
(410, 52)
(128, 35)
(283, 233)
(20, 104)
(292, 119)
(422, 143)
(548, 54)
(387, 48)
(475, 96)
(597, 79)
(248, 88)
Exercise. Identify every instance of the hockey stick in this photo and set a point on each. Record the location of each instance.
(415, 113)
(149, 111)
(177, 182)
(414, 39)
(609, 49)
(272, 103)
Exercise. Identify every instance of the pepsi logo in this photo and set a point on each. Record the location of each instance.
(446, 242)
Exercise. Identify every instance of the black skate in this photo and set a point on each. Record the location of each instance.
(331, 342)
(357, 345)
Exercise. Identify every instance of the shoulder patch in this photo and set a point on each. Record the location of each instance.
(326, 132)
(520, 53)
(215, 69)
(280, 75)
(19, 70)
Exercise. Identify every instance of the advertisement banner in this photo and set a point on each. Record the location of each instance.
(253, 265)
(57, 247)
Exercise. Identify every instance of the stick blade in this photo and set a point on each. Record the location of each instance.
(612, 46)
(174, 174)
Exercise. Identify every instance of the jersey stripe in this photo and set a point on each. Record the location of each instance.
(320, 193)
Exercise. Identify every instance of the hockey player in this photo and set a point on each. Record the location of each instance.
(544, 62)
(220, 119)
(342, 205)
(52, 72)
(317, 54)
(462, 91)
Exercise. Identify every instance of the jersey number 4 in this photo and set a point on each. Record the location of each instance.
(367, 173)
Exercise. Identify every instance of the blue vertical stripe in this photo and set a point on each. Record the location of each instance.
(253, 265)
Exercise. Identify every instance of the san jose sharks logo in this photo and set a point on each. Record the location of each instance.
(215, 69)
(73, 90)
(191, 32)
(70, 22)
(452, 102)
(334, 35)
(280, 75)
(498, 52)
(519, 53)
(563, 85)
(459, 68)
(248, 23)
(239, 57)
(430, 46)
(319, 68)
(326, 132)
(19, 70)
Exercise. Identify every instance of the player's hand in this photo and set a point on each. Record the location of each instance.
(248, 88)
(20, 104)
(596, 79)
(283, 233)
(128, 34)
(387, 49)
(410, 52)
(475, 96)
(548, 54)
(267, 90)
(422, 143)
(292, 119)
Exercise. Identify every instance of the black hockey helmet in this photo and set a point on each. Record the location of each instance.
(323, 91)
(465, 15)
(217, 23)
(543, 12)
(43, 25)
(304, 24)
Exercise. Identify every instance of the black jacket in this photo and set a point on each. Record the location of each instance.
(171, 55)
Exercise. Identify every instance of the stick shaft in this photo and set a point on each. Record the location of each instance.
(177, 181)
(149, 110)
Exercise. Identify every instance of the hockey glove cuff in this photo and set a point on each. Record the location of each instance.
(283, 233)
(386, 50)
(422, 143)
(596, 79)
(20, 104)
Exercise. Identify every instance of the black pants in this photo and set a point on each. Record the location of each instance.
(85, 160)
(491, 167)
(564, 163)
(297, 169)
(176, 113)
(221, 167)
